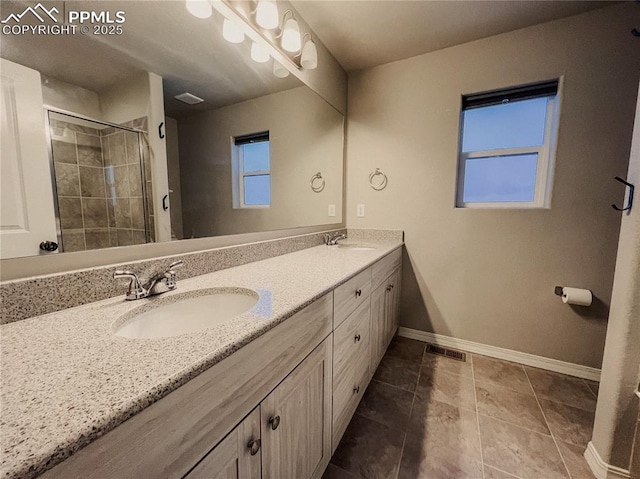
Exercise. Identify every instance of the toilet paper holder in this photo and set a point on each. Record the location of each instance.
(574, 296)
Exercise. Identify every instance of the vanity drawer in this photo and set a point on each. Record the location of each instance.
(348, 296)
(348, 389)
(351, 339)
(383, 268)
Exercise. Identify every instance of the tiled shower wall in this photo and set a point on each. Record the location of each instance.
(99, 186)
(141, 124)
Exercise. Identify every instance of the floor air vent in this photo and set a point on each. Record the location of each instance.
(449, 353)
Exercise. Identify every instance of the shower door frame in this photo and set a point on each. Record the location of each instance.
(51, 109)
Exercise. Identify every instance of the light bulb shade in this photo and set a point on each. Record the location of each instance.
(291, 36)
(279, 70)
(232, 32)
(309, 57)
(267, 14)
(199, 8)
(259, 53)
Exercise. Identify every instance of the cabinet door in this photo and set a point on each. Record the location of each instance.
(378, 329)
(392, 305)
(237, 456)
(296, 420)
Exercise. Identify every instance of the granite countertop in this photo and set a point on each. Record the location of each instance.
(66, 379)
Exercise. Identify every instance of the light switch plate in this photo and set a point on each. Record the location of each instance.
(360, 210)
(332, 210)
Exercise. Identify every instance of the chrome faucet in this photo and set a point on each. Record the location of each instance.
(159, 283)
(332, 239)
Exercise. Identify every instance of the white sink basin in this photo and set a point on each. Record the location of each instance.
(356, 247)
(177, 315)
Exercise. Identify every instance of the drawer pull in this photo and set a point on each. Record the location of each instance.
(356, 389)
(390, 287)
(274, 422)
(358, 293)
(254, 446)
(356, 338)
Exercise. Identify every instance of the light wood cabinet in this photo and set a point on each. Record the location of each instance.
(382, 269)
(385, 304)
(237, 456)
(296, 420)
(173, 434)
(392, 305)
(297, 387)
(351, 352)
(348, 296)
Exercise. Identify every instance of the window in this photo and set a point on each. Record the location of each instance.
(252, 168)
(507, 139)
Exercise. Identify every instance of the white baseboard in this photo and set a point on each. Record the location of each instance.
(601, 469)
(577, 370)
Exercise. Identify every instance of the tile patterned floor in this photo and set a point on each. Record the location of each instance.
(425, 416)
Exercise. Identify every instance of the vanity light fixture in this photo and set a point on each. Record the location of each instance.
(284, 44)
(232, 32)
(290, 40)
(259, 53)
(279, 70)
(267, 14)
(199, 8)
(309, 57)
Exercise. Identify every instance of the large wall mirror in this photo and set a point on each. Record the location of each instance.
(157, 131)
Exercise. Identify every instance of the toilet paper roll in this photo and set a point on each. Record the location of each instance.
(577, 296)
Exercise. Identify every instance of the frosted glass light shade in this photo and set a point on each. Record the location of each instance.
(199, 8)
(279, 70)
(267, 14)
(309, 58)
(232, 32)
(291, 36)
(259, 53)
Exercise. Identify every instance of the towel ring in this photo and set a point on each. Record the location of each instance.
(382, 184)
(317, 186)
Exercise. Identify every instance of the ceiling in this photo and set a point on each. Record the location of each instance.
(366, 33)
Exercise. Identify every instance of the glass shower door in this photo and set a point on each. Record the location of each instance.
(100, 188)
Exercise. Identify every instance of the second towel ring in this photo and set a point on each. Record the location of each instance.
(381, 185)
(317, 186)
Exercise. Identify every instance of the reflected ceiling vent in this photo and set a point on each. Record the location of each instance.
(188, 98)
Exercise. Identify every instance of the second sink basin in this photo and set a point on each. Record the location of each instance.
(186, 314)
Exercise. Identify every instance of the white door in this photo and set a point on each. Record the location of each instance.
(26, 195)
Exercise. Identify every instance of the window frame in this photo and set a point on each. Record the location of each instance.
(545, 162)
(239, 174)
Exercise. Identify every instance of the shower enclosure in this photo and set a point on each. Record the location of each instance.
(100, 182)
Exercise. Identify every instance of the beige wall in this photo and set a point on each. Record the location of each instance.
(72, 98)
(126, 100)
(306, 136)
(488, 275)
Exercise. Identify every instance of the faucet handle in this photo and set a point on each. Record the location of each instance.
(170, 273)
(136, 290)
(175, 264)
(125, 274)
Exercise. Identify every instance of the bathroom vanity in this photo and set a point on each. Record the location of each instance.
(267, 394)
